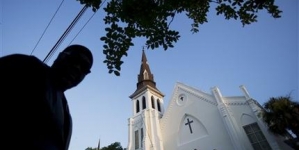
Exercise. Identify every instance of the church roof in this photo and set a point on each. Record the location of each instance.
(145, 77)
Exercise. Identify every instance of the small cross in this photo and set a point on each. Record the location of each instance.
(189, 124)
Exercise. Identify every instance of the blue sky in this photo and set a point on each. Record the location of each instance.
(262, 56)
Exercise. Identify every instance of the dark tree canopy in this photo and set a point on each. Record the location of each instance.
(282, 114)
(89, 148)
(113, 146)
(128, 19)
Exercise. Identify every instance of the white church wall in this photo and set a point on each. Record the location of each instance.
(200, 110)
(244, 115)
(156, 99)
(134, 105)
(135, 123)
(155, 140)
(150, 120)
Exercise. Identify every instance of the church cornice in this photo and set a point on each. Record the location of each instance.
(196, 93)
(236, 103)
(142, 90)
(137, 119)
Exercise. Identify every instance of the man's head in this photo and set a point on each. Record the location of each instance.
(71, 66)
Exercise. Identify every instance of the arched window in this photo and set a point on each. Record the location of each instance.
(143, 103)
(137, 106)
(153, 102)
(158, 105)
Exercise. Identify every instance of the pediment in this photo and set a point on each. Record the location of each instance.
(184, 96)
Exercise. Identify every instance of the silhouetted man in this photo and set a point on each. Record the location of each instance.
(34, 110)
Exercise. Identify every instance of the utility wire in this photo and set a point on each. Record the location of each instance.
(47, 27)
(81, 29)
(86, 23)
(64, 34)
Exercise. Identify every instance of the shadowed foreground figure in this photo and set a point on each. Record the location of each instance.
(34, 110)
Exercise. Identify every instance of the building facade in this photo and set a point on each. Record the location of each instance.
(195, 120)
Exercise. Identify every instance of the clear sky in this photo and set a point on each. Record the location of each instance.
(262, 56)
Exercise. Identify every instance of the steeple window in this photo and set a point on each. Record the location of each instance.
(153, 102)
(137, 106)
(145, 75)
(143, 103)
(158, 105)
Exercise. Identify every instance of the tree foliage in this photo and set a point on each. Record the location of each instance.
(113, 146)
(282, 114)
(128, 19)
(89, 148)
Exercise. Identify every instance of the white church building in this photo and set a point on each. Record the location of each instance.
(195, 120)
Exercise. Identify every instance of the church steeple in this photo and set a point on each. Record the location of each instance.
(145, 77)
(147, 110)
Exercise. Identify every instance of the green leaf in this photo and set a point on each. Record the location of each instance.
(151, 19)
(103, 38)
(116, 73)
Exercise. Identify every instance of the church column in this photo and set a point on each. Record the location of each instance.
(156, 116)
(151, 127)
(229, 121)
(147, 135)
(257, 111)
(130, 134)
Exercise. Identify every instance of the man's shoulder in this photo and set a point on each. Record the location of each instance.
(18, 56)
(20, 59)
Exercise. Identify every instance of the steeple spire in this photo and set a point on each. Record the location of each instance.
(145, 77)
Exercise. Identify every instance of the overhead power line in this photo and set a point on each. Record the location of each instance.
(47, 27)
(65, 34)
(86, 23)
(82, 28)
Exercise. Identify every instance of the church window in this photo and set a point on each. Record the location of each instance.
(136, 139)
(145, 74)
(141, 136)
(256, 137)
(137, 106)
(143, 103)
(158, 105)
(153, 102)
